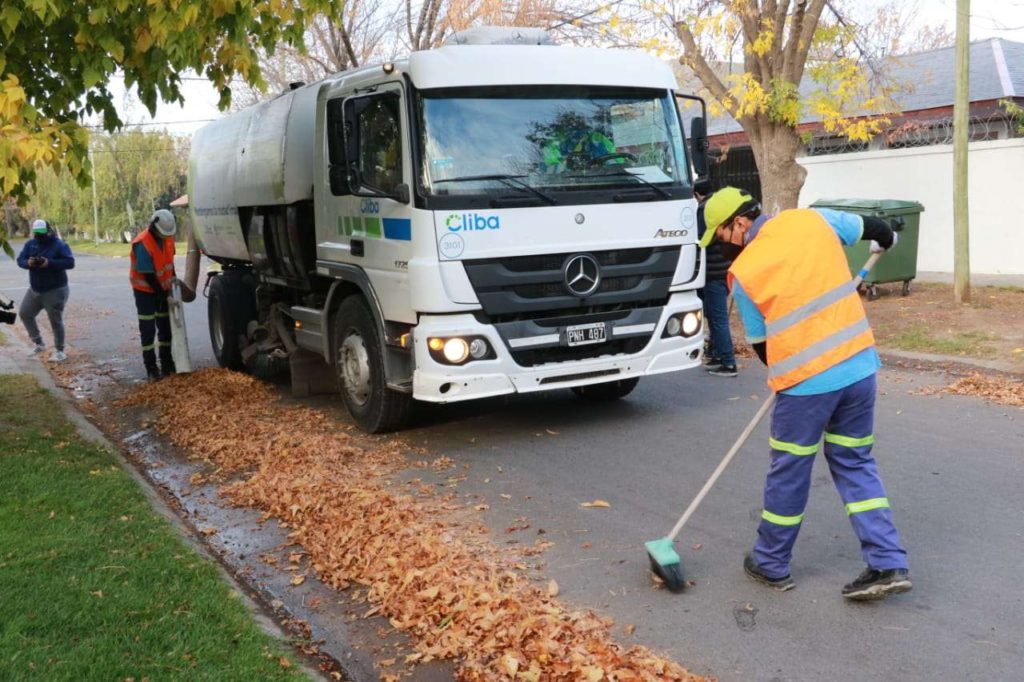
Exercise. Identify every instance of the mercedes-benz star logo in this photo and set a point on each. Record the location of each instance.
(582, 275)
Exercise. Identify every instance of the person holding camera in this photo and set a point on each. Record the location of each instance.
(47, 258)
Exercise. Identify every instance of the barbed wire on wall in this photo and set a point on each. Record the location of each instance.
(915, 133)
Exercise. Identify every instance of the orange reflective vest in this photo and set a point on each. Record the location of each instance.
(162, 253)
(796, 273)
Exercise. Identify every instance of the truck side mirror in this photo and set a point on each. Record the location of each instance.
(353, 178)
(699, 146)
(339, 181)
(401, 193)
(336, 148)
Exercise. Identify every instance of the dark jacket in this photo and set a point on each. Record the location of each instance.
(59, 260)
(717, 266)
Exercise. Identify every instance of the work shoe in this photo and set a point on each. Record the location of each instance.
(37, 348)
(753, 571)
(872, 584)
(723, 371)
(153, 374)
(711, 361)
(58, 356)
(167, 369)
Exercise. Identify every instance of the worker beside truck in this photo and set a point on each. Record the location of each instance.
(151, 274)
(805, 321)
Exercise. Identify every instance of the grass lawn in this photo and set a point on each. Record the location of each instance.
(94, 585)
(113, 248)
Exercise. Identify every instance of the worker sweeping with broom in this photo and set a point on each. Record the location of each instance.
(802, 314)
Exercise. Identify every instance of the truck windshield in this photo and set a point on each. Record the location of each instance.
(572, 144)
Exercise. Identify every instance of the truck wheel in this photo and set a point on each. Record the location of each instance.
(359, 367)
(613, 390)
(232, 304)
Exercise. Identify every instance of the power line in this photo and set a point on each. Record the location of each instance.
(135, 151)
(158, 123)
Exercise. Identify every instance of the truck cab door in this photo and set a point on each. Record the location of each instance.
(367, 218)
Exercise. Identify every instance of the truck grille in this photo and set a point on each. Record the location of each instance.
(509, 287)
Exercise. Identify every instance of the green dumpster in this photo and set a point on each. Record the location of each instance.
(898, 265)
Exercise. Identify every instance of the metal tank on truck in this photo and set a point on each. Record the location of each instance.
(494, 216)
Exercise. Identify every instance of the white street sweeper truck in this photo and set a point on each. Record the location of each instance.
(494, 216)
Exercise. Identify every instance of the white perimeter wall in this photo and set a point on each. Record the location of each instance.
(925, 174)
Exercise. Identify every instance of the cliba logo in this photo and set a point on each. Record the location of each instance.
(369, 206)
(472, 221)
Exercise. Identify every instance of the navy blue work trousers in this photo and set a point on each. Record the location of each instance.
(845, 418)
(154, 328)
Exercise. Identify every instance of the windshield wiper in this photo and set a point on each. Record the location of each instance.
(625, 173)
(514, 181)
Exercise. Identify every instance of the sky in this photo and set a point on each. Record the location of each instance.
(989, 19)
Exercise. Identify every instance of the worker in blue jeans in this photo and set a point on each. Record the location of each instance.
(803, 317)
(720, 358)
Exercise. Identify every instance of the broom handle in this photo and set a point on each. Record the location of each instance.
(749, 429)
(721, 466)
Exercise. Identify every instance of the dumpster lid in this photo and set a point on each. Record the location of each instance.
(879, 206)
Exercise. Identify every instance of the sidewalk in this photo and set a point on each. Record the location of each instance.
(976, 280)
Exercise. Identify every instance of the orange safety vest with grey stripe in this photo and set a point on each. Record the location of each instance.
(162, 254)
(796, 273)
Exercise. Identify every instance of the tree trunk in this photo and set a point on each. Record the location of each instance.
(775, 147)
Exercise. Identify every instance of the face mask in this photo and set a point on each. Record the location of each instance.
(39, 236)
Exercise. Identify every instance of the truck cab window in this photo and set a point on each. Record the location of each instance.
(380, 144)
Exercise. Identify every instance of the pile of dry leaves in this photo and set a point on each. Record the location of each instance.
(424, 561)
(1002, 390)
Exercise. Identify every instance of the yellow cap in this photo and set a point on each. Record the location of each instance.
(722, 207)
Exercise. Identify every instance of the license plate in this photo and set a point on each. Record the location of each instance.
(582, 334)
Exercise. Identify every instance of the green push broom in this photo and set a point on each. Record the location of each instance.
(665, 561)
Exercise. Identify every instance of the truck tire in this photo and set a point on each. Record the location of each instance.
(231, 306)
(612, 390)
(358, 358)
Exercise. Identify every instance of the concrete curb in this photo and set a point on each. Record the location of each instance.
(894, 356)
(19, 361)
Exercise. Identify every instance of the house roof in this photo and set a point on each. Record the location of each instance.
(926, 80)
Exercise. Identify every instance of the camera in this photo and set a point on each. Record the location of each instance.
(7, 314)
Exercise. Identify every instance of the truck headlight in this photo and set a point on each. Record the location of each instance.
(684, 324)
(458, 350)
(692, 323)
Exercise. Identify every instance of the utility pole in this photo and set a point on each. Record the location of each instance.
(961, 133)
(95, 204)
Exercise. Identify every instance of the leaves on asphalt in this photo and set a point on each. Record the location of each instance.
(418, 557)
(1002, 390)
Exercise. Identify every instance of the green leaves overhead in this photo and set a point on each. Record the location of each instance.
(57, 58)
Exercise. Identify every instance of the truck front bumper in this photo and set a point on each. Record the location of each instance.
(437, 382)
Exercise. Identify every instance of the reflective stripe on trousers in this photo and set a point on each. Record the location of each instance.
(154, 323)
(846, 419)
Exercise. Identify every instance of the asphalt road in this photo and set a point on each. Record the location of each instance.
(953, 468)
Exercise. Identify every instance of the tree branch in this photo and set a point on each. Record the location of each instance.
(805, 22)
(693, 58)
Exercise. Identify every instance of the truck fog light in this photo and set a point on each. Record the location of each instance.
(435, 344)
(478, 348)
(691, 323)
(456, 350)
(673, 326)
